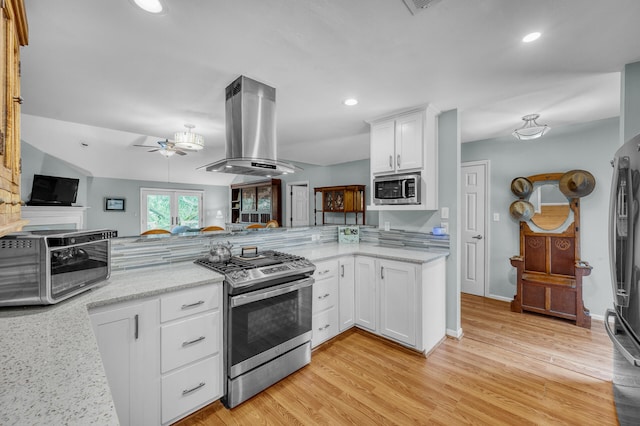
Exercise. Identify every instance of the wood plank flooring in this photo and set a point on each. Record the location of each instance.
(508, 369)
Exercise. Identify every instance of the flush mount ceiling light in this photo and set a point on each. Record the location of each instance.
(531, 129)
(151, 6)
(350, 102)
(531, 37)
(188, 139)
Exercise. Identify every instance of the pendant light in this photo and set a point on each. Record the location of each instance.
(531, 129)
(188, 139)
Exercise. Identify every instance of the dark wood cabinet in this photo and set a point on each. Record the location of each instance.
(549, 269)
(256, 202)
(340, 199)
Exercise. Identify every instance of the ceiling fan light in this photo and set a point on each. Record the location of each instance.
(188, 139)
(166, 152)
(531, 129)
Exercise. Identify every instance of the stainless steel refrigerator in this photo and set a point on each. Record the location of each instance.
(623, 321)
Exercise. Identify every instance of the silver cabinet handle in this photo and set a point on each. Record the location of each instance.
(324, 296)
(191, 305)
(398, 161)
(326, 271)
(136, 328)
(188, 391)
(191, 342)
(477, 237)
(324, 328)
(390, 161)
(382, 272)
(342, 271)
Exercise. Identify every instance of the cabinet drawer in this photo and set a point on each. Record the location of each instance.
(188, 340)
(325, 294)
(326, 269)
(325, 326)
(189, 388)
(189, 302)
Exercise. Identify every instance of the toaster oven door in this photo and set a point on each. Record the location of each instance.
(73, 268)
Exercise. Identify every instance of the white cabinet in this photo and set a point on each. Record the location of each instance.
(397, 144)
(398, 300)
(162, 356)
(403, 143)
(346, 283)
(128, 339)
(365, 293)
(190, 350)
(325, 302)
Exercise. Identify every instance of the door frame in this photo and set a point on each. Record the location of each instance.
(487, 221)
(289, 201)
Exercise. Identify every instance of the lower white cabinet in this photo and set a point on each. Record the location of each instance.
(346, 293)
(129, 341)
(398, 300)
(324, 321)
(366, 298)
(162, 355)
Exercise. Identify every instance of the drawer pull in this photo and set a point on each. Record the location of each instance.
(326, 271)
(191, 305)
(191, 342)
(324, 296)
(324, 328)
(188, 391)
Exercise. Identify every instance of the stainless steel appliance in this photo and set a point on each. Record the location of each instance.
(268, 311)
(623, 321)
(397, 189)
(250, 112)
(46, 267)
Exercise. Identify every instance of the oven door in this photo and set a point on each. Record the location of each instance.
(266, 323)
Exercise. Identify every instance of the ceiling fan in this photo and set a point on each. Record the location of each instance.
(166, 148)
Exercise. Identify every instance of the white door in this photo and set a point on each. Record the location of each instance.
(298, 205)
(347, 294)
(398, 301)
(473, 213)
(383, 147)
(365, 289)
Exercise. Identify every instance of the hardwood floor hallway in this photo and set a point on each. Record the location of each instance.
(508, 369)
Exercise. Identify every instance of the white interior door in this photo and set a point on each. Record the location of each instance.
(473, 212)
(298, 205)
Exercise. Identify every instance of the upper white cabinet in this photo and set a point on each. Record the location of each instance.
(396, 144)
(407, 143)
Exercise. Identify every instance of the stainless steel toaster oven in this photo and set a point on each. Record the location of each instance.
(46, 267)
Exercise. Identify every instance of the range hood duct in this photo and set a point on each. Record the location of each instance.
(250, 112)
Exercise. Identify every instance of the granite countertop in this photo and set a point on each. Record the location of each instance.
(50, 367)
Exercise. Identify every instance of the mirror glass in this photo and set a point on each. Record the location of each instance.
(550, 205)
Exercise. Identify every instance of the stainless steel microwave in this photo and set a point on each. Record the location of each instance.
(46, 267)
(397, 189)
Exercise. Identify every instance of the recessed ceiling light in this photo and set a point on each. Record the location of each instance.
(151, 6)
(350, 102)
(531, 37)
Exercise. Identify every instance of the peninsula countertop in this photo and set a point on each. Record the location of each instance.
(50, 367)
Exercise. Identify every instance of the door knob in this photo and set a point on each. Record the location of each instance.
(477, 237)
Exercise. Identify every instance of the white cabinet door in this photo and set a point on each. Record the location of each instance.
(365, 293)
(409, 142)
(128, 339)
(346, 280)
(398, 300)
(382, 157)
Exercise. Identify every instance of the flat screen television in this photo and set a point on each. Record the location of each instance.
(53, 191)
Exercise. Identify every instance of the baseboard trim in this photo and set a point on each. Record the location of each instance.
(456, 334)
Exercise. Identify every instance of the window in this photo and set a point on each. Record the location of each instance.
(167, 208)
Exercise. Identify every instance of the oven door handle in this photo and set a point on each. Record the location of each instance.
(244, 299)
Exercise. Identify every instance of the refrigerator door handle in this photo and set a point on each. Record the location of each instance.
(632, 360)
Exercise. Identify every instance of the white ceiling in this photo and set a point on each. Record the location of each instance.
(105, 73)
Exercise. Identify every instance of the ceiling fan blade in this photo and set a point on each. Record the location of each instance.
(177, 151)
(154, 150)
(144, 146)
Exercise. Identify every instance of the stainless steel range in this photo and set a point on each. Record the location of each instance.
(267, 310)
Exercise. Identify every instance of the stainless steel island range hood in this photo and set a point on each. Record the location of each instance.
(251, 131)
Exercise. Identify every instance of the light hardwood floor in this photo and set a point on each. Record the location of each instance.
(508, 369)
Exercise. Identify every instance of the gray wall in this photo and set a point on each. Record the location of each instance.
(587, 146)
